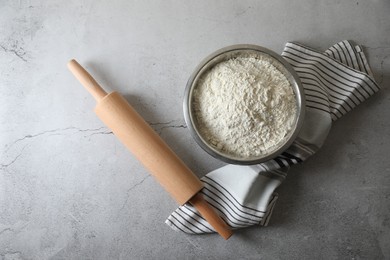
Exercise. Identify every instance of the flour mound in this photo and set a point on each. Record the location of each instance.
(244, 106)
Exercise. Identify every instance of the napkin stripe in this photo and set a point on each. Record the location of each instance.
(279, 172)
(358, 61)
(298, 151)
(283, 163)
(180, 225)
(280, 163)
(170, 223)
(342, 86)
(321, 63)
(340, 53)
(292, 156)
(344, 56)
(320, 106)
(192, 227)
(302, 147)
(270, 210)
(231, 221)
(197, 216)
(221, 188)
(317, 98)
(347, 54)
(323, 103)
(262, 166)
(271, 165)
(273, 175)
(231, 216)
(290, 161)
(227, 208)
(334, 116)
(332, 77)
(335, 96)
(339, 91)
(335, 64)
(316, 93)
(333, 53)
(336, 81)
(228, 201)
(346, 72)
(196, 222)
(270, 173)
(286, 162)
(363, 60)
(195, 225)
(351, 54)
(334, 99)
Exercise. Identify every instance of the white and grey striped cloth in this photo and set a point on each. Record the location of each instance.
(334, 81)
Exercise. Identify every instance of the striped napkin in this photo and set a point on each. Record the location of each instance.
(334, 82)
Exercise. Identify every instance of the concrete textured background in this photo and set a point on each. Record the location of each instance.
(70, 190)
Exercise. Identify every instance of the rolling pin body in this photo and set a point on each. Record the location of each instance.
(149, 148)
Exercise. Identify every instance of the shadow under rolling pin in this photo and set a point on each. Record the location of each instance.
(149, 148)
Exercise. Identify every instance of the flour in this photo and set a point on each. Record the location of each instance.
(244, 106)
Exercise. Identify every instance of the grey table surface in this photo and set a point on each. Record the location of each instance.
(70, 190)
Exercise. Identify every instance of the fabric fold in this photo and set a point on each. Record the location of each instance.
(334, 82)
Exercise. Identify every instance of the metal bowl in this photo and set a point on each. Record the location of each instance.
(228, 53)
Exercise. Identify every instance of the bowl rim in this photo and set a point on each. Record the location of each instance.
(298, 90)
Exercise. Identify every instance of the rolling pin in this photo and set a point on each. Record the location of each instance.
(147, 146)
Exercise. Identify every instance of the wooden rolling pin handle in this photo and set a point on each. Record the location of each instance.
(211, 216)
(86, 80)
